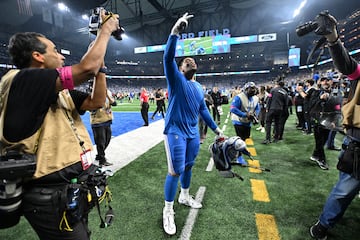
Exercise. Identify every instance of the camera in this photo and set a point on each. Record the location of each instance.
(95, 22)
(253, 119)
(14, 167)
(322, 25)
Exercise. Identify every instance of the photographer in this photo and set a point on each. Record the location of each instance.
(101, 120)
(348, 184)
(40, 116)
(322, 104)
(276, 105)
(299, 108)
(244, 110)
(306, 94)
(216, 107)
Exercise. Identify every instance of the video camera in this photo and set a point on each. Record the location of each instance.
(322, 25)
(95, 22)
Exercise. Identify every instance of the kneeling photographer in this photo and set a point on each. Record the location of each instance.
(348, 184)
(40, 122)
(244, 110)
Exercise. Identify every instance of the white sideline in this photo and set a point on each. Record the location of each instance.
(190, 220)
(127, 147)
(210, 165)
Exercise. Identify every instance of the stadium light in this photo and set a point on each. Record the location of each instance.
(63, 7)
(298, 10)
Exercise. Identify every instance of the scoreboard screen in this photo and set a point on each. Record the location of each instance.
(204, 45)
(194, 46)
(294, 57)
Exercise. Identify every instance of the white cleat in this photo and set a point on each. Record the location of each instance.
(169, 221)
(190, 202)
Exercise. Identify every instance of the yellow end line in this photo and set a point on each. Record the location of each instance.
(252, 151)
(249, 141)
(266, 226)
(259, 190)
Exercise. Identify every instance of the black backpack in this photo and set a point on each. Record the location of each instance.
(222, 154)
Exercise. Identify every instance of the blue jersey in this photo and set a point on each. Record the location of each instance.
(186, 98)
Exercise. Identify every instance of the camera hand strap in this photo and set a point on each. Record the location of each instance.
(107, 18)
(319, 44)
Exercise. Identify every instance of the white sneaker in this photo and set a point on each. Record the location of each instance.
(190, 202)
(169, 221)
(259, 128)
(262, 129)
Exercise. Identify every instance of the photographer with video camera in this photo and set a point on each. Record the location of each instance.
(348, 184)
(244, 110)
(40, 117)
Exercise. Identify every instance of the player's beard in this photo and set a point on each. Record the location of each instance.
(190, 74)
(251, 92)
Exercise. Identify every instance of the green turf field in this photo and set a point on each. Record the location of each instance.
(297, 189)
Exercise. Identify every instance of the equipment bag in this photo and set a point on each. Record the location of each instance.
(94, 190)
(349, 159)
(222, 155)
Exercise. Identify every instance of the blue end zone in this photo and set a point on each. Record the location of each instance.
(123, 122)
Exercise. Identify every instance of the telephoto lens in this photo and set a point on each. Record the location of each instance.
(109, 217)
(117, 34)
(306, 28)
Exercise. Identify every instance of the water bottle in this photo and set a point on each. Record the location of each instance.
(73, 195)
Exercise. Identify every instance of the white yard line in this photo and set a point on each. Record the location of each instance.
(190, 221)
(210, 165)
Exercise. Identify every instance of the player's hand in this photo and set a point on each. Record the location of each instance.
(181, 24)
(219, 132)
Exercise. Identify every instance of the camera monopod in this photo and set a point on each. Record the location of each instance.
(250, 166)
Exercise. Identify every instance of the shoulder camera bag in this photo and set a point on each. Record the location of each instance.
(351, 110)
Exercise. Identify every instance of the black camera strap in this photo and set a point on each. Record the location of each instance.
(320, 44)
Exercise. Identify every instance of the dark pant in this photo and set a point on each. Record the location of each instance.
(262, 116)
(330, 143)
(102, 136)
(242, 131)
(284, 116)
(308, 122)
(216, 114)
(320, 134)
(273, 116)
(144, 113)
(43, 210)
(159, 108)
(300, 116)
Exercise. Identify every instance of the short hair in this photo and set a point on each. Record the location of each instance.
(310, 81)
(182, 60)
(22, 45)
(281, 83)
(324, 78)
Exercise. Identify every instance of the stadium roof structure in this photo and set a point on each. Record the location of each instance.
(148, 22)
